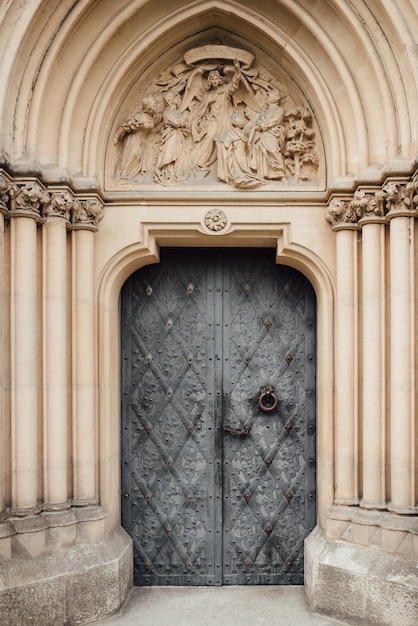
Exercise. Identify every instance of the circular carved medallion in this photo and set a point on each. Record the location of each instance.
(215, 220)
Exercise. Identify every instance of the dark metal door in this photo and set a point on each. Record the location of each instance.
(216, 489)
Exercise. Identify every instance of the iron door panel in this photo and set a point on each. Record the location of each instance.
(168, 432)
(269, 474)
(202, 333)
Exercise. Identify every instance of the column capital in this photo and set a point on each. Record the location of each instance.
(87, 213)
(340, 214)
(396, 197)
(401, 199)
(61, 205)
(8, 190)
(28, 200)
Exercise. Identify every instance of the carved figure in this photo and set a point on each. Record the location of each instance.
(267, 140)
(232, 156)
(135, 132)
(173, 163)
(212, 117)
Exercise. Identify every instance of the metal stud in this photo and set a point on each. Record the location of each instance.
(288, 358)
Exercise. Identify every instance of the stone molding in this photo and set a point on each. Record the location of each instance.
(394, 198)
(384, 530)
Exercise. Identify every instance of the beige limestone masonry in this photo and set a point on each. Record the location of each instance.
(127, 127)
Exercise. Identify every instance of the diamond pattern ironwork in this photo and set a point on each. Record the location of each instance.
(200, 338)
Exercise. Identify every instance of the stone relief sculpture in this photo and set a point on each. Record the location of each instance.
(216, 116)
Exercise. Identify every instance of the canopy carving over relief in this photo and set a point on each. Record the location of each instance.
(217, 117)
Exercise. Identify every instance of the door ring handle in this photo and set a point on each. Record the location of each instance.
(268, 400)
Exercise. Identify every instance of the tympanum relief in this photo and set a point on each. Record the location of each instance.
(216, 117)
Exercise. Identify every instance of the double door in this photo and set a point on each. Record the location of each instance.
(218, 418)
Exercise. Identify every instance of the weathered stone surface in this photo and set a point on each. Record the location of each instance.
(359, 585)
(72, 586)
(38, 605)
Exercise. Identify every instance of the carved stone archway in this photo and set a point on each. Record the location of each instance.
(82, 205)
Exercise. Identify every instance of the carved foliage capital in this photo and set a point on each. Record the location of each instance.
(87, 213)
(29, 199)
(340, 212)
(61, 205)
(393, 198)
(7, 191)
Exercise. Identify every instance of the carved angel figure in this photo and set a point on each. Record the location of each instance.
(173, 163)
(134, 133)
(211, 118)
(232, 156)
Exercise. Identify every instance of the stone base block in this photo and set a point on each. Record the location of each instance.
(360, 585)
(76, 585)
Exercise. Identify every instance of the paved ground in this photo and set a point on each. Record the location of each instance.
(217, 606)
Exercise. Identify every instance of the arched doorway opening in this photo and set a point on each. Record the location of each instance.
(218, 479)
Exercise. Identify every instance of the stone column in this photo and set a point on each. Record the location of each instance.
(5, 188)
(346, 358)
(55, 351)
(373, 390)
(85, 219)
(402, 353)
(25, 215)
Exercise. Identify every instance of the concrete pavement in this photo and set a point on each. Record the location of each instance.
(217, 606)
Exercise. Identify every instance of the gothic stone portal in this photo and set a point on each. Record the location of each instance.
(216, 115)
(216, 490)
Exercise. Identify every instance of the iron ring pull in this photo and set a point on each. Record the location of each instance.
(268, 400)
(240, 433)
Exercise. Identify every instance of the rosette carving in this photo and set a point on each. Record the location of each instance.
(215, 220)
